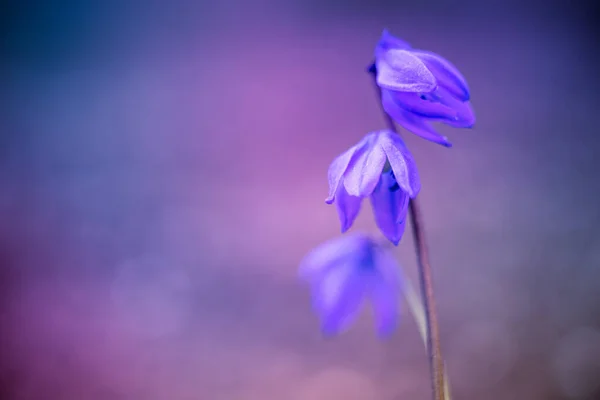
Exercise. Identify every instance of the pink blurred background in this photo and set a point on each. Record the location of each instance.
(163, 171)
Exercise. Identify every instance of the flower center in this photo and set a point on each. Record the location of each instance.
(367, 257)
(392, 183)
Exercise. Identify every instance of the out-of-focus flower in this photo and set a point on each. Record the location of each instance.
(381, 167)
(343, 272)
(419, 87)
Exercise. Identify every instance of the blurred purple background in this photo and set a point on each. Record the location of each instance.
(163, 171)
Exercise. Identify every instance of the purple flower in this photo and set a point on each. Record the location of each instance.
(380, 167)
(418, 87)
(343, 272)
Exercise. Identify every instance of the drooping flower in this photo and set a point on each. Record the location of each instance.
(419, 87)
(382, 168)
(345, 271)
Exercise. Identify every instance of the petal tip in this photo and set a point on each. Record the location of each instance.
(372, 69)
(388, 40)
(395, 241)
(443, 140)
(413, 190)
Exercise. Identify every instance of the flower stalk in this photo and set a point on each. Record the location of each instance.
(434, 351)
(416, 309)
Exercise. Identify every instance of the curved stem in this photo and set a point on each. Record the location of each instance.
(434, 351)
(416, 308)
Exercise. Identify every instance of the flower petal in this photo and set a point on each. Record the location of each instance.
(388, 41)
(390, 206)
(465, 116)
(424, 105)
(384, 293)
(385, 307)
(402, 162)
(400, 70)
(411, 122)
(363, 173)
(339, 166)
(338, 296)
(328, 254)
(447, 75)
(348, 207)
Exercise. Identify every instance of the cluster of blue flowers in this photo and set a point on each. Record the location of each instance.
(417, 87)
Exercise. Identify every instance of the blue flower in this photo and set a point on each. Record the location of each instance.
(379, 167)
(419, 87)
(343, 272)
